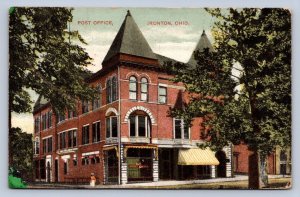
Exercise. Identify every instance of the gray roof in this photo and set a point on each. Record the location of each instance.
(129, 40)
(41, 101)
(162, 59)
(202, 44)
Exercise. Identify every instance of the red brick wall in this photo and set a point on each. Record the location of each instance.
(243, 154)
(162, 129)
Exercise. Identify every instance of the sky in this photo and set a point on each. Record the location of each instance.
(176, 40)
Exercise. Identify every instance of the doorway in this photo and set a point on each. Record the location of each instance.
(139, 165)
(48, 172)
(221, 168)
(111, 161)
(56, 170)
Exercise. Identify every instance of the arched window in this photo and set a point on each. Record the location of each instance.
(111, 89)
(114, 88)
(108, 91)
(133, 88)
(144, 89)
(139, 124)
(98, 101)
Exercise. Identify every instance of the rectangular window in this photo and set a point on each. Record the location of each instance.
(85, 161)
(177, 128)
(186, 131)
(144, 89)
(62, 140)
(96, 132)
(85, 134)
(162, 94)
(66, 167)
(74, 138)
(49, 144)
(37, 125)
(85, 106)
(133, 88)
(142, 126)
(114, 126)
(111, 127)
(181, 130)
(70, 139)
(108, 127)
(72, 114)
(114, 89)
(49, 120)
(108, 91)
(44, 145)
(61, 117)
(132, 126)
(36, 147)
(44, 121)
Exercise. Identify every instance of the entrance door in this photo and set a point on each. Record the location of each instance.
(48, 171)
(43, 169)
(166, 163)
(221, 168)
(139, 165)
(112, 166)
(56, 170)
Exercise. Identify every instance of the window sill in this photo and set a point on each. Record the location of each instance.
(111, 140)
(139, 139)
(182, 141)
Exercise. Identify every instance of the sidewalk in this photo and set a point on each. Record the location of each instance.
(148, 184)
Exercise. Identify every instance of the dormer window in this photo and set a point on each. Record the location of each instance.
(181, 130)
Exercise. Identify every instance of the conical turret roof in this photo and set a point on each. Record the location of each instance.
(130, 40)
(202, 44)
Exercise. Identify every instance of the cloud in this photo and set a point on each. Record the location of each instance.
(178, 51)
(24, 121)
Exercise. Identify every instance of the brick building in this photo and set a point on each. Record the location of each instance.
(126, 135)
(278, 162)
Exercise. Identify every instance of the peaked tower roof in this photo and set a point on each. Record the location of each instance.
(130, 40)
(41, 101)
(202, 44)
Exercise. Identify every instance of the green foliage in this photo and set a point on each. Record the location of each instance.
(259, 111)
(44, 57)
(21, 144)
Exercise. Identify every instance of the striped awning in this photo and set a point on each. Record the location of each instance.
(154, 147)
(197, 156)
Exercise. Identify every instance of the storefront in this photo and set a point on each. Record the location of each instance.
(186, 164)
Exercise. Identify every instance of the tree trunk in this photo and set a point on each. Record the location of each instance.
(253, 182)
(258, 177)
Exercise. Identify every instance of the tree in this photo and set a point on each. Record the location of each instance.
(258, 112)
(22, 159)
(44, 56)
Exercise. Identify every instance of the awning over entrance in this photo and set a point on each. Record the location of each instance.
(154, 147)
(197, 156)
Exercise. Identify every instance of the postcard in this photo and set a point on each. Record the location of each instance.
(149, 98)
